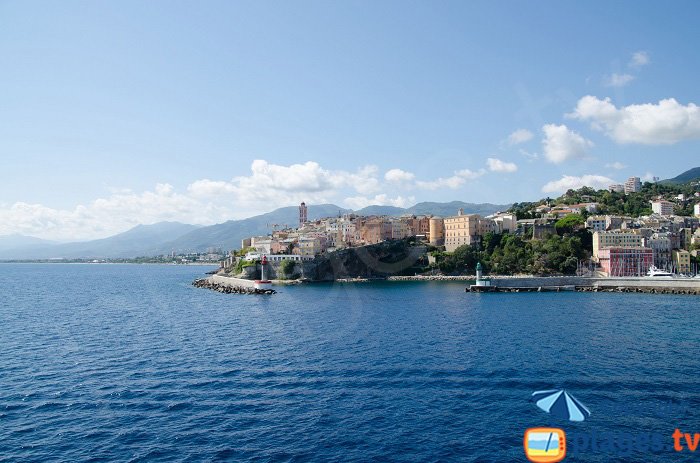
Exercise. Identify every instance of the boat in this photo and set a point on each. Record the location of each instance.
(657, 273)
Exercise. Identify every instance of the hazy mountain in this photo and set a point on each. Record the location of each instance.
(142, 240)
(228, 235)
(381, 210)
(451, 208)
(687, 176)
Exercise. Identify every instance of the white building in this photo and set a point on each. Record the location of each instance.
(633, 185)
(617, 188)
(696, 210)
(662, 207)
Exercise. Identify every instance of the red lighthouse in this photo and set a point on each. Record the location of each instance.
(263, 283)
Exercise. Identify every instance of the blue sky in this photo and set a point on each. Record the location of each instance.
(118, 113)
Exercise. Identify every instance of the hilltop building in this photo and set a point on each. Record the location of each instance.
(633, 185)
(662, 207)
(461, 229)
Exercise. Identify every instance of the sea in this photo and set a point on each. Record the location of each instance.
(131, 363)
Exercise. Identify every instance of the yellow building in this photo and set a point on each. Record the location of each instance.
(460, 230)
(681, 260)
(615, 239)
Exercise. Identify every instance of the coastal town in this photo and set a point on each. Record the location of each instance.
(616, 245)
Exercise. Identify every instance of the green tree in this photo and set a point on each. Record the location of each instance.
(287, 267)
(569, 223)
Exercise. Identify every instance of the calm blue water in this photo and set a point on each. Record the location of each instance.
(131, 363)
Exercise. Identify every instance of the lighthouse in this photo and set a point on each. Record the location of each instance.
(480, 280)
(262, 283)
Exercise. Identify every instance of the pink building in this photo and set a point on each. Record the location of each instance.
(626, 262)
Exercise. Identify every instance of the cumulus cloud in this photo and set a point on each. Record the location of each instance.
(568, 182)
(617, 165)
(207, 201)
(398, 176)
(496, 165)
(107, 216)
(618, 80)
(639, 59)
(519, 136)
(664, 123)
(562, 144)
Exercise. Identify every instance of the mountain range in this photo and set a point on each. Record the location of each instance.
(166, 237)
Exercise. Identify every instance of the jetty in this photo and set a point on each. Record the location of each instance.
(230, 285)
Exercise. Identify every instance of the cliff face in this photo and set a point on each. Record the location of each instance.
(373, 261)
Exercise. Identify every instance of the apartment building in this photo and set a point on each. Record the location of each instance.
(662, 207)
(460, 230)
(681, 260)
(615, 239)
(633, 185)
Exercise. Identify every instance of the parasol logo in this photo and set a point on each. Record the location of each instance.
(560, 404)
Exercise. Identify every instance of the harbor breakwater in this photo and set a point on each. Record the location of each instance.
(230, 285)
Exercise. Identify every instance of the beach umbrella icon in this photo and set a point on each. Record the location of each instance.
(561, 404)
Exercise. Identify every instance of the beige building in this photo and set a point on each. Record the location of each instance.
(615, 239)
(460, 230)
(437, 231)
(681, 261)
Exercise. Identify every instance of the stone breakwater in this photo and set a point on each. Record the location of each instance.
(230, 287)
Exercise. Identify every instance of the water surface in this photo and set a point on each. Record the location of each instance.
(132, 363)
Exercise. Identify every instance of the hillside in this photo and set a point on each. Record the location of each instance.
(687, 176)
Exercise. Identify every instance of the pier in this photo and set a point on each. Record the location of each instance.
(689, 286)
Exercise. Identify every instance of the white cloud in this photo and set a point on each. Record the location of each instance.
(667, 122)
(398, 176)
(519, 136)
(496, 165)
(107, 216)
(206, 201)
(568, 182)
(639, 59)
(561, 144)
(358, 202)
(618, 80)
(617, 165)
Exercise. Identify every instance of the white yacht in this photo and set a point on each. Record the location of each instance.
(656, 273)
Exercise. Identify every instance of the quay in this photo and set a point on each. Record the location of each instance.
(690, 286)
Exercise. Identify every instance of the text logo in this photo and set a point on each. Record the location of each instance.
(545, 445)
